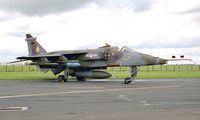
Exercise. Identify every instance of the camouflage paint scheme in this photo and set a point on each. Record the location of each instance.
(84, 63)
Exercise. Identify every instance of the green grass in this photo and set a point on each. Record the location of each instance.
(158, 74)
(24, 68)
(116, 75)
(161, 68)
(150, 72)
(26, 76)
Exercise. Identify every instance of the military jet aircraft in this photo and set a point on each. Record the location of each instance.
(87, 63)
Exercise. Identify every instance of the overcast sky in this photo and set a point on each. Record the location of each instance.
(157, 27)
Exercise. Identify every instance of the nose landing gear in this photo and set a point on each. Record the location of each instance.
(128, 80)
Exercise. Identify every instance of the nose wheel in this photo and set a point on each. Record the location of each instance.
(131, 79)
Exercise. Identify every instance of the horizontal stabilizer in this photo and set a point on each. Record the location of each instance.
(17, 61)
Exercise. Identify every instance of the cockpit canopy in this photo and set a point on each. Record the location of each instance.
(116, 48)
(126, 49)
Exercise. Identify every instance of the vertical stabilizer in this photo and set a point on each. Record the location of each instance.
(34, 48)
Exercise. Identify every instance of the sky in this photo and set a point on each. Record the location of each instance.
(157, 27)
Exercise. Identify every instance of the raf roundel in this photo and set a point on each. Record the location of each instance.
(91, 55)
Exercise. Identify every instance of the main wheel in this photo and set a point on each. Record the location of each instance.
(65, 79)
(60, 78)
(127, 80)
(80, 79)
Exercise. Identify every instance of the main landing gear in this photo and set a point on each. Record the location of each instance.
(63, 78)
(128, 80)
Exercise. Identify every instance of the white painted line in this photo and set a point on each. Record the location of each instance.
(144, 102)
(125, 98)
(177, 103)
(14, 108)
(24, 108)
(147, 104)
(6, 93)
(168, 103)
(89, 87)
(84, 91)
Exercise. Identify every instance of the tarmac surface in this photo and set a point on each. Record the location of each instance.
(160, 99)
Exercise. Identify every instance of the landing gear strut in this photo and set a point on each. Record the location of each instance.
(64, 77)
(128, 80)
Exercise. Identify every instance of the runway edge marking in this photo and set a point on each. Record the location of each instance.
(84, 91)
(14, 108)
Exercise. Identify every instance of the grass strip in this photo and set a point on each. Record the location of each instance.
(116, 75)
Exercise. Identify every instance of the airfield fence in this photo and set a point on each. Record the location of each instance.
(155, 68)
(18, 68)
(28, 68)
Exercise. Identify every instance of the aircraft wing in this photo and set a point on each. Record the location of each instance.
(39, 56)
(52, 58)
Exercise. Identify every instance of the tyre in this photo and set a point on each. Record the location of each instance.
(80, 79)
(60, 78)
(127, 80)
(65, 79)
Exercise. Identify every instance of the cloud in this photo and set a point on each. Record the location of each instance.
(9, 55)
(170, 43)
(45, 7)
(143, 5)
(135, 5)
(42, 7)
(71, 24)
(191, 10)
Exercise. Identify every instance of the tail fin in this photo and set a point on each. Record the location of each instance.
(34, 48)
